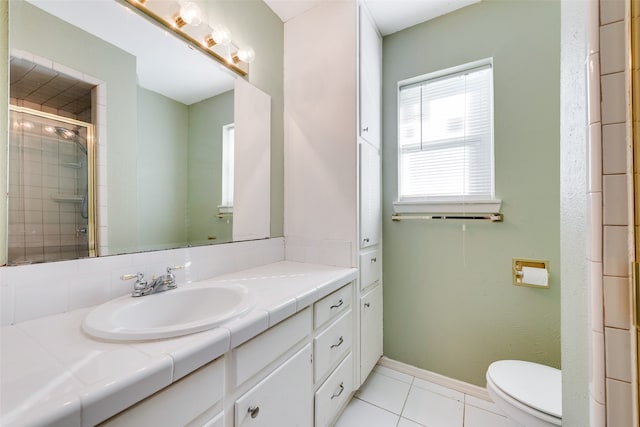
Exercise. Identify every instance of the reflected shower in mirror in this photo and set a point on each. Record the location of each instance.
(159, 111)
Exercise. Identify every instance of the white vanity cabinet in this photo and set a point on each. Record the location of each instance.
(370, 329)
(333, 356)
(283, 398)
(193, 400)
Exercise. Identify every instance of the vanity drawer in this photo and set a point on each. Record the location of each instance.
(193, 395)
(332, 344)
(251, 357)
(331, 305)
(334, 393)
(370, 268)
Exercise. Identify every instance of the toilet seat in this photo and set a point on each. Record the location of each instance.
(527, 392)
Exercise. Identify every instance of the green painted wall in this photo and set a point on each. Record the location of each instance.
(40, 33)
(163, 144)
(450, 306)
(206, 119)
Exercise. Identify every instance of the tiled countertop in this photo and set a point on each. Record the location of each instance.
(52, 373)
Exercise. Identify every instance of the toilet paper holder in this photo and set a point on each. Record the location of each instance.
(518, 273)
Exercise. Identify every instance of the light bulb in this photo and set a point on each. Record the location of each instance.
(246, 54)
(190, 14)
(220, 35)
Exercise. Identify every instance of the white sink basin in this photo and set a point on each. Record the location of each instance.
(172, 313)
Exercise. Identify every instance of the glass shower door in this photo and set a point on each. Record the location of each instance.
(51, 208)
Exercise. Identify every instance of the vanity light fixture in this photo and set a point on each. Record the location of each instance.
(188, 23)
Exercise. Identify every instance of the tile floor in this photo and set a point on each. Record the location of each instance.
(393, 399)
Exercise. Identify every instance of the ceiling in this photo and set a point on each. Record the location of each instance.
(390, 15)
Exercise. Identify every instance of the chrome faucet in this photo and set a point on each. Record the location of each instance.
(158, 284)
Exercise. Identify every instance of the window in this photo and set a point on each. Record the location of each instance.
(228, 134)
(445, 141)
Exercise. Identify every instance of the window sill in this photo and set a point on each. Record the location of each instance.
(225, 209)
(427, 207)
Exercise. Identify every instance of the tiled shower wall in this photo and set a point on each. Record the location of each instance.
(44, 218)
(609, 245)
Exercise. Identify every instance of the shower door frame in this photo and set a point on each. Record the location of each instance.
(91, 221)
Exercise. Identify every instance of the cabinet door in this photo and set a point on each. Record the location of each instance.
(370, 331)
(284, 398)
(370, 79)
(370, 208)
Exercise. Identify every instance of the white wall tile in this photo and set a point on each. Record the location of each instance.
(613, 98)
(89, 291)
(597, 374)
(615, 200)
(594, 232)
(37, 299)
(598, 414)
(595, 158)
(617, 311)
(6, 304)
(618, 354)
(611, 11)
(597, 296)
(616, 251)
(619, 403)
(612, 53)
(593, 94)
(614, 149)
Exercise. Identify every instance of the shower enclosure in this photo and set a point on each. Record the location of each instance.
(51, 201)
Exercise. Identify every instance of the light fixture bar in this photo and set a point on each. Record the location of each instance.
(139, 5)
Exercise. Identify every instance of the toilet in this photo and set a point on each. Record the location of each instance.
(528, 393)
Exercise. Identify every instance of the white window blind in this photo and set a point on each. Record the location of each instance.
(228, 137)
(445, 137)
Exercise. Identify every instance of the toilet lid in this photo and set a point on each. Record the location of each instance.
(537, 386)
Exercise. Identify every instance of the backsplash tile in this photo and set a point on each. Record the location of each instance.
(37, 290)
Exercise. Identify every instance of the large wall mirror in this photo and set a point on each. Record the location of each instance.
(124, 138)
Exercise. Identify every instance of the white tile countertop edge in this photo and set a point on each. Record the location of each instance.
(52, 373)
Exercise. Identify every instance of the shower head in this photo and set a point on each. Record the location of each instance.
(72, 135)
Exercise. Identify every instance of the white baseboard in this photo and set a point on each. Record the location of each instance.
(461, 386)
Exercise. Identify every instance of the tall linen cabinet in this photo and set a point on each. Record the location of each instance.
(332, 145)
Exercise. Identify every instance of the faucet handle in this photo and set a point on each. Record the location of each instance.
(138, 275)
(177, 267)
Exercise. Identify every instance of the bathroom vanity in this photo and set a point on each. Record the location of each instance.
(288, 360)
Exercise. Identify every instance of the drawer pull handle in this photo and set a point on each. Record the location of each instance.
(365, 240)
(365, 129)
(339, 392)
(367, 304)
(338, 304)
(253, 411)
(374, 259)
(340, 341)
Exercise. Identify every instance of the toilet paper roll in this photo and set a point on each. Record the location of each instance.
(535, 276)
